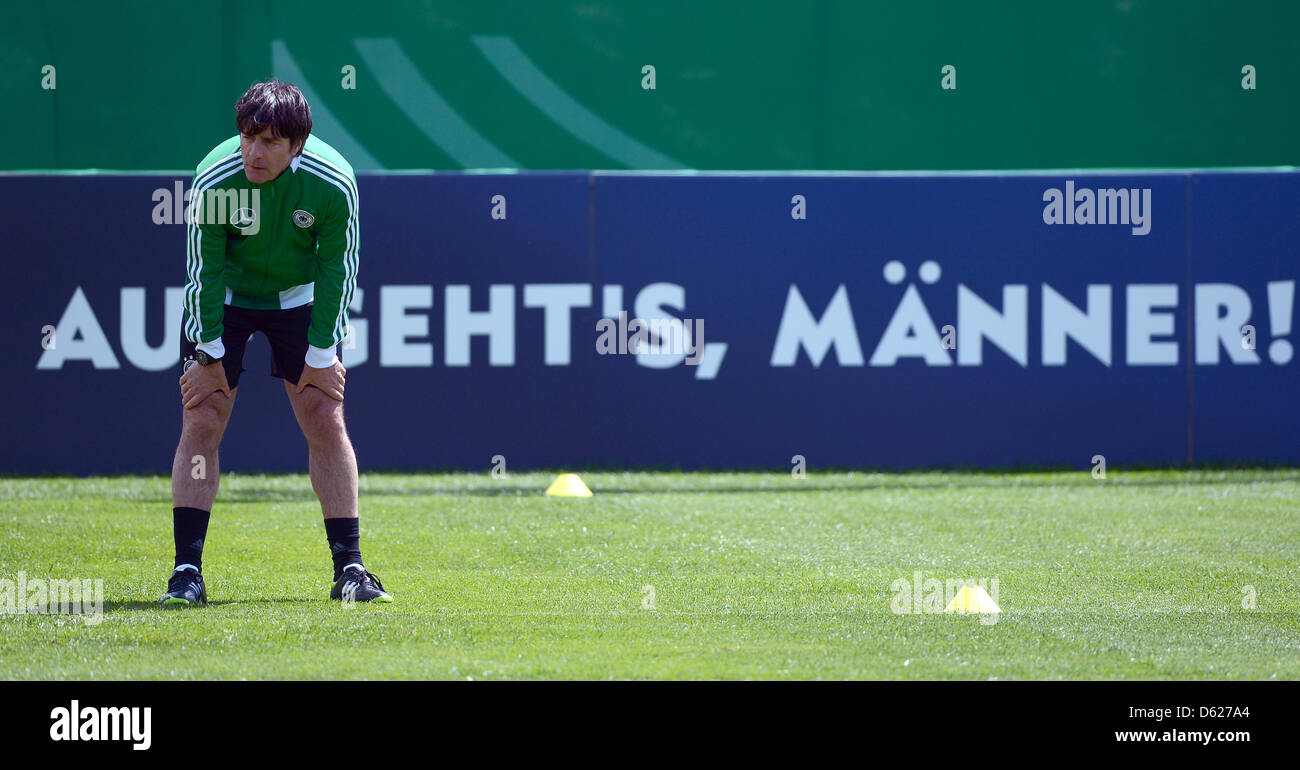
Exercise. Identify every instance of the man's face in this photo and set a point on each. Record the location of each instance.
(266, 156)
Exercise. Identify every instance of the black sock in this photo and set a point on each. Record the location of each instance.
(189, 529)
(344, 537)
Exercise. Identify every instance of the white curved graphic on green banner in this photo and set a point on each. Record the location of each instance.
(324, 124)
(426, 108)
(533, 84)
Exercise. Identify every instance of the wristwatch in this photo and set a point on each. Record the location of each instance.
(204, 359)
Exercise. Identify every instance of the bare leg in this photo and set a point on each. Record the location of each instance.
(331, 460)
(195, 470)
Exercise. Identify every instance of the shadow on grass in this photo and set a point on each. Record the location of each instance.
(775, 482)
(154, 606)
(1084, 480)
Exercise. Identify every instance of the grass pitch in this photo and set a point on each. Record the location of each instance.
(1144, 575)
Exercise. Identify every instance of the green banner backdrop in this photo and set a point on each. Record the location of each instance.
(823, 85)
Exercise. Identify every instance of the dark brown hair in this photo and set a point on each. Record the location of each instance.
(276, 105)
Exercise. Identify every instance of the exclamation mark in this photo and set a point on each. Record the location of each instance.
(1281, 300)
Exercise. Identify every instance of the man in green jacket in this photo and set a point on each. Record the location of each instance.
(273, 240)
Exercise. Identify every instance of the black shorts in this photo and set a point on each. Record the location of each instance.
(286, 330)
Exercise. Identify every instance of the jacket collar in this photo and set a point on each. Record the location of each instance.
(284, 176)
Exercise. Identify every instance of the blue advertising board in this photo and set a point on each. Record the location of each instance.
(698, 321)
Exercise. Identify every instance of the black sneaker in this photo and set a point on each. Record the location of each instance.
(185, 589)
(358, 585)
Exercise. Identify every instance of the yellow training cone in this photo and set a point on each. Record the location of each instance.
(568, 485)
(972, 599)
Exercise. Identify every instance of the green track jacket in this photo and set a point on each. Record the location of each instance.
(275, 245)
